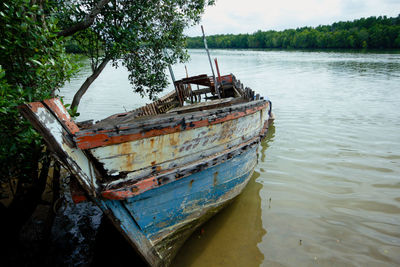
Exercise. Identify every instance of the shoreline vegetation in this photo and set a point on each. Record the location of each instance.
(365, 33)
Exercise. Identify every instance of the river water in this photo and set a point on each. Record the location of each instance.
(326, 190)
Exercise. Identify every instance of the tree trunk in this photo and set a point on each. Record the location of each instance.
(78, 95)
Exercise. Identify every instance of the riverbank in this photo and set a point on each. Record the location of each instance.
(63, 233)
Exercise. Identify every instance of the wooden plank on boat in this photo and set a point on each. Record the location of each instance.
(204, 105)
(128, 121)
(53, 131)
(137, 187)
(135, 159)
(112, 135)
(202, 79)
(201, 91)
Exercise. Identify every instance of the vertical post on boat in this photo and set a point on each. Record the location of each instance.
(219, 76)
(187, 74)
(173, 79)
(216, 66)
(189, 86)
(171, 73)
(209, 59)
(169, 68)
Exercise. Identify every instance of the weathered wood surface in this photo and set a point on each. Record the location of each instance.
(206, 105)
(202, 79)
(140, 158)
(228, 85)
(140, 128)
(125, 188)
(55, 126)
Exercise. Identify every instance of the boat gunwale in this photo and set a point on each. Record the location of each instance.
(93, 138)
(144, 121)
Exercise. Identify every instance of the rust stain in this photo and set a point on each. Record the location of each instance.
(134, 189)
(162, 224)
(130, 158)
(191, 183)
(126, 150)
(228, 129)
(152, 143)
(215, 178)
(152, 156)
(173, 139)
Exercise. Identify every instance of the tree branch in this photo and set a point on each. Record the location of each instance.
(89, 19)
(78, 95)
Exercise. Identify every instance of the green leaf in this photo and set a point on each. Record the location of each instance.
(37, 62)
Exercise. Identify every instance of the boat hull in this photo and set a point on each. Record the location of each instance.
(160, 220)
(156, 203)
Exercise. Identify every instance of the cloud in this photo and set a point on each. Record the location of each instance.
(238, 16)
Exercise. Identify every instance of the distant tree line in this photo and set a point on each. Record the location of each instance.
(373, 32)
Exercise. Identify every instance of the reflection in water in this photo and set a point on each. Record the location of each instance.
(231, 237)
(269, 138)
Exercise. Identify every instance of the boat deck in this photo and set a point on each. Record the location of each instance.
(132, 116)
(182, 100)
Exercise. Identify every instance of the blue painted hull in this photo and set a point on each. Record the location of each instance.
(158, 221)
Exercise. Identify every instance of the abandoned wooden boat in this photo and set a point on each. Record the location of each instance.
(160, 171)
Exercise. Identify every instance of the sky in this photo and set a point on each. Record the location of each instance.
(248, 16)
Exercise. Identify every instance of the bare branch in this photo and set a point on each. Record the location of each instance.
(89, 19)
